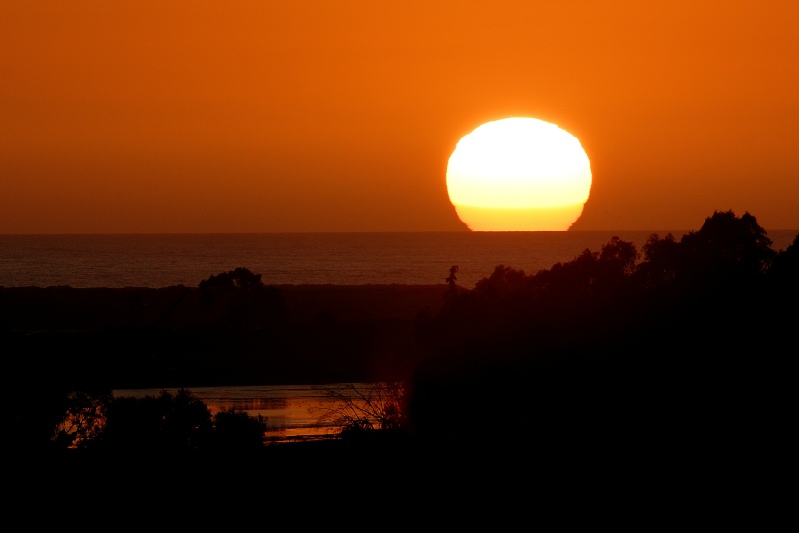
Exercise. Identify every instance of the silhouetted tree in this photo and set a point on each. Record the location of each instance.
(726, 249)
(617, 259)
(166, 422)
(661, 260)
(84, 419)
(237, 431)
(242, 299)
(502, 282)
(378, 406)
(589, 272)
(452, 278)
(785, 268)
(239, 278)
(451, 281)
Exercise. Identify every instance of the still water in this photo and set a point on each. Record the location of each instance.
(292, 412)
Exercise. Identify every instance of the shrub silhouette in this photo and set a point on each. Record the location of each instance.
(239, 278)
(237, 430)
(379, 406)
(242, 301)
(166, 423)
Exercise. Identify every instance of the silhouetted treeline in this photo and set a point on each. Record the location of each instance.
(163, 423)
(689, 344)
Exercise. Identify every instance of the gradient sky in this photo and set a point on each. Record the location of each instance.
(262, 116)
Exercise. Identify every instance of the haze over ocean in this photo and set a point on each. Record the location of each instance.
(414, 258)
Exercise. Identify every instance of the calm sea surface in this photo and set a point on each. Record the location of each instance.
(163, 260)
(84, 261)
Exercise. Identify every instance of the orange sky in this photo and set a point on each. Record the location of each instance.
(261, 116)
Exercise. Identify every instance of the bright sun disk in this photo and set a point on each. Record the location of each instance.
(519, 174)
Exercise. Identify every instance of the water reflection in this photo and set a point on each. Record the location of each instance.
(291, 412)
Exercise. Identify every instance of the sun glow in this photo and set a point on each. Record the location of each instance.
(519, 174)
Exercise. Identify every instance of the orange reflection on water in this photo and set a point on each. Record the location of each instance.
(293, 412)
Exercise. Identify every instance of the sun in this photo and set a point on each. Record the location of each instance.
(519, 174)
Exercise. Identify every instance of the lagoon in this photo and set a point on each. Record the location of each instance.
(291, 412)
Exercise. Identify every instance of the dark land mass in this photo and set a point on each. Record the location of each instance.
(680, 356)
(180, 337)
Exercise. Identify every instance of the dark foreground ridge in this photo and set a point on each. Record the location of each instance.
(676, 354)
(186, 337)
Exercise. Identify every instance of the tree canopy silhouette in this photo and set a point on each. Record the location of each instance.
(615, 345)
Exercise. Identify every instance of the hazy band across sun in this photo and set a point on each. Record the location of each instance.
(519, 174)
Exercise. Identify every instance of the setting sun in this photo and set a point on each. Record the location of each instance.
(519, 174)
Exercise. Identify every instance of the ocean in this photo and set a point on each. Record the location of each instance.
(417, 258)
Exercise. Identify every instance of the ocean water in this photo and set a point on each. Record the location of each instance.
(418, 258)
